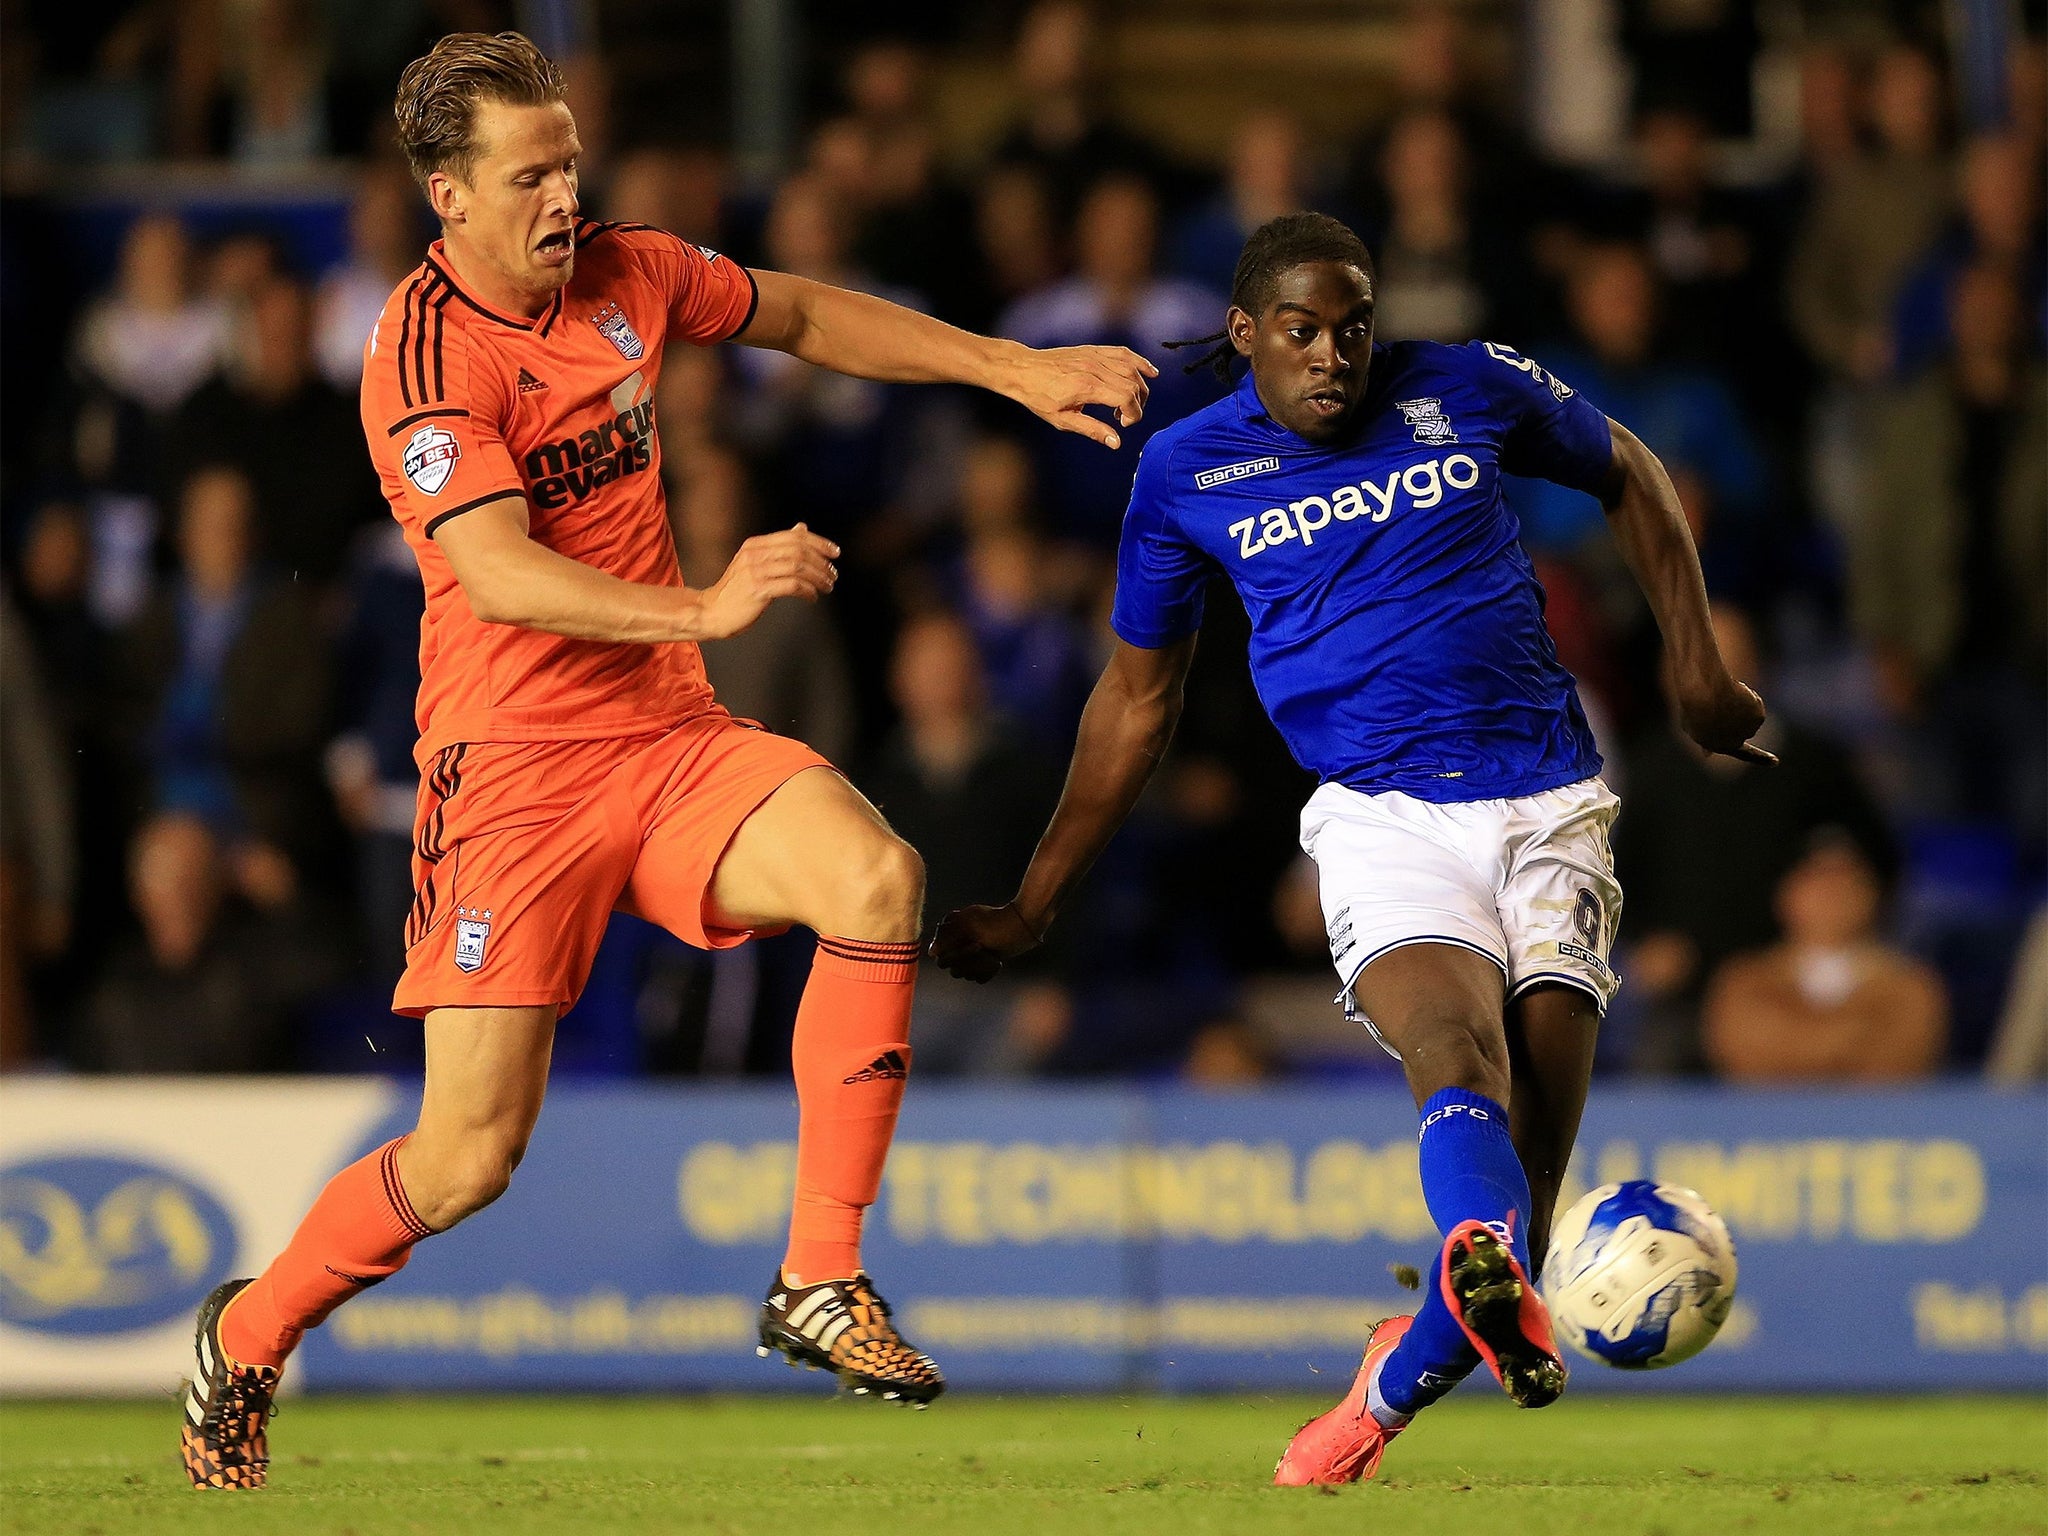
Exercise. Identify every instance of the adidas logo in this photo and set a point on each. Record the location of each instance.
(890, 1064)
(528, 383)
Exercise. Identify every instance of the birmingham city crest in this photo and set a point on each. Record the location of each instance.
(1428, 419)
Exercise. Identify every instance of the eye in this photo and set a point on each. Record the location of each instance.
(1302, 332)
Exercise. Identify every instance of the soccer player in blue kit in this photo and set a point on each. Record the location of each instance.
(1351, 493)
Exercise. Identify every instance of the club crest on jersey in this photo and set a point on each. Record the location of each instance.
(1224, 474)
(1428, 419)
(612, 324)
(472, 932)
(430, 456)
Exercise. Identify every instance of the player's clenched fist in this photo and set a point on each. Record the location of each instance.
(1721, 713)
(973, 942)
(793, 563)
(1060, 383)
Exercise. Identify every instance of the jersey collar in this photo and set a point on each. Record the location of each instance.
(438, 263)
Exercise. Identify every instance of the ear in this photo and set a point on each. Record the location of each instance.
(447, 197)
(1241, 328)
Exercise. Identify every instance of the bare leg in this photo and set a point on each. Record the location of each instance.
(487, 1072)
(1440, 1006)
(817, 853)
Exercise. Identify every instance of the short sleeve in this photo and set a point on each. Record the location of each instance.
(1160, 576)
(1554, 432)
(436, 432)
(710, 297)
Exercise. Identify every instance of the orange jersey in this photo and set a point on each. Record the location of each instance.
(463, 405)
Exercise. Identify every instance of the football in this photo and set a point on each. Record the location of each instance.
(1640, 1275)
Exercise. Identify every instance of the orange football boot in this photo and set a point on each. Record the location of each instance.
(1483, 1284)
(1346, 1443)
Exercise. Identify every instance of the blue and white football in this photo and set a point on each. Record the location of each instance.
(1640, 1275)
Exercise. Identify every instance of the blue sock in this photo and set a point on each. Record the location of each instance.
(1469, 1171)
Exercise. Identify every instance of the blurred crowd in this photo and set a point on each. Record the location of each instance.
(210, 644)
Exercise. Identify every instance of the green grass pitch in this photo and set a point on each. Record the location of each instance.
(992, 1467)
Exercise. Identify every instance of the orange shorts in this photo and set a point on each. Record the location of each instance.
(523, 850)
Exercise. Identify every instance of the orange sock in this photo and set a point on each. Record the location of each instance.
(359, 1231)
(851, 1054)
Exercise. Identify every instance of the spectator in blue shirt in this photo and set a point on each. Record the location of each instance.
(1116, 295)
(225, 676)
(1998, 225)
(1265, 177)
(1687, 416)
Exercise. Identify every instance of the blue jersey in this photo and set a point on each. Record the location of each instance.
(1397, 627)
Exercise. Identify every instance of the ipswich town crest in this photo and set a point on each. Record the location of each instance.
(613, 325)
(472, 933)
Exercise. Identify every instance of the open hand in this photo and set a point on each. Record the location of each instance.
(793, 563)
(1721, 713)
(1060, 383)
(973, 942)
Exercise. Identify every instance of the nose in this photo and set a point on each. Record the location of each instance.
(1326, 357)
(565, 199)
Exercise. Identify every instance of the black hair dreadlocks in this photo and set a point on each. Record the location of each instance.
(1275, 247)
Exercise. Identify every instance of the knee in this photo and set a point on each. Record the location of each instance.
(1458, 1050)
(450, 1178)
(882, 893)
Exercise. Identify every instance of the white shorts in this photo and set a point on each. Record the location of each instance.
(1528, 883)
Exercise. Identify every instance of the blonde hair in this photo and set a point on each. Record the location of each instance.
(439, 92)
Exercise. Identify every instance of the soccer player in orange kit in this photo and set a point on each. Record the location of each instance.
(574, 761)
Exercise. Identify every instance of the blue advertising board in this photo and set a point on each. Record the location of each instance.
(1045, 1239)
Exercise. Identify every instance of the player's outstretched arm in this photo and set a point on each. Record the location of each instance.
(1125, 731)
(1716, 708)
(510, 579)
(870, 338)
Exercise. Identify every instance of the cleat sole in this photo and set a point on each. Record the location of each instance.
(1490, 1299)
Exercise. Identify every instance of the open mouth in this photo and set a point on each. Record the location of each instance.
(555, 248)
(1327, 403)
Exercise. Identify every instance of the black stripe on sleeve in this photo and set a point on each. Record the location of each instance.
(502, 493)
(405, 336)
(419, 348)
(753, 304)
(403, 422)
(440, 319)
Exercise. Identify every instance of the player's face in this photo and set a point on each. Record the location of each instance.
(1311, 349)
(517, 209)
